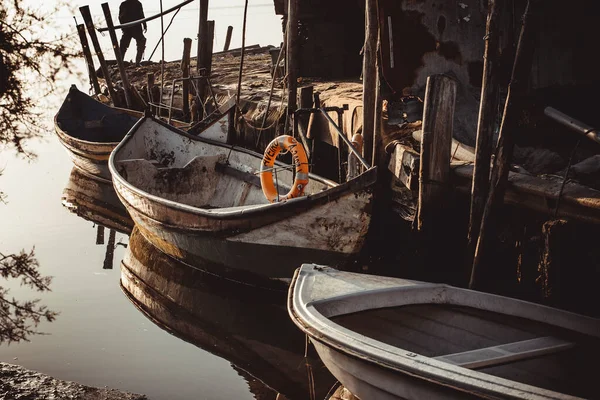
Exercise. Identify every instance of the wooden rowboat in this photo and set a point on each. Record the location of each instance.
(94, 199)
(244, 325)
(389, 338)
(90, 130)
(200, 200)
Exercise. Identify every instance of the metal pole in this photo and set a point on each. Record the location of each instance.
(345, 139)
(573, 124)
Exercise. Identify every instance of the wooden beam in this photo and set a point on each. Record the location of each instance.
(202, 27)
(87, 18)
(434, 174)
(228, 38)
(488, 111)
(292, 57)
(118, 56)
(89, 61)
(369, 77)
(517, 89)
(185, 70)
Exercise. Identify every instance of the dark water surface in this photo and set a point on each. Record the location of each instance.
(168, 332)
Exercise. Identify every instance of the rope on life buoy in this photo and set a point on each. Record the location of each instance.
(266, 168)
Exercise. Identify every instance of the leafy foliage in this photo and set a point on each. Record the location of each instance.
(18, 319)
(29, 64)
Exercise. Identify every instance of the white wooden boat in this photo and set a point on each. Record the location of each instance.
(94, 199)
(245, 325)
(389, 338)
(199, 200)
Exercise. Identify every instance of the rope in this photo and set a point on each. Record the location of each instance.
(163, 35)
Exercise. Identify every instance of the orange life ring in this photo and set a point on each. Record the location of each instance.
(266, 168)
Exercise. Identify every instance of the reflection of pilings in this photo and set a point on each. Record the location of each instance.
(100, 235)
(110, 251)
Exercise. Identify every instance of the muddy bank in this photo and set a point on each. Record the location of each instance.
(17, 382)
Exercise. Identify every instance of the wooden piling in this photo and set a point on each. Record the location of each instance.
(517, 89)
(369, 77)
(305, 100)
(202, 28)
(292, 58)
(185, 69)
(88, 58)
(118, 55)
(488, 110)
(434, 174)
(210, 32)
(89, 24)
(149, 87)
(243, 52)
(228, 38)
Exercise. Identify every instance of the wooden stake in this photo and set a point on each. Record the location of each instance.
(88, 58)
(209, 46)
(292, 59)
(369, 77)
(87, 17)
(434, 174)
(149, 87)
(228, 38)
(239, 87)
(488, 110)
(185, 69)
(118, 56)
(517, 89)
(202, 28)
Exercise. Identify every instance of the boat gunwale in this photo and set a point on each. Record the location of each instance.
(360, 182)
(324, 330)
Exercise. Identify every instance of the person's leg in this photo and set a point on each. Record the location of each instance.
(140, 42)
(124, 43)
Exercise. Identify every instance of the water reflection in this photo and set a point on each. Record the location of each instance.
(247, 326)
(94, 199)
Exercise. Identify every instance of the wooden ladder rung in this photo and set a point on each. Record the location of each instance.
(506, 353)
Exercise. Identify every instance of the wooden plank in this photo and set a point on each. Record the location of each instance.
(118, 55)
(404, 164)
(369, 76)
(87, 17)
(507, 353)
(488, 110)
(517, 90)
(434, 174)
(88, 58)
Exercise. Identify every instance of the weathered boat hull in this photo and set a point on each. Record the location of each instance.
(245, 325)
(90, 130)
(94, 199)
(390, 338)
(260, 243)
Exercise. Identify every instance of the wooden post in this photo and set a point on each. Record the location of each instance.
(88, 58)
(369, 78)
(517, 89)
(377, 123)
(202, 27)
(210, 33)
(149, 87)
(243, 52)
(434, 174)
(110, 251)
(118, 56)
(185, 69)
(305, 100)
(292, 59)
(87, 17)
(100, 234)
(488, 108)
(228, 38)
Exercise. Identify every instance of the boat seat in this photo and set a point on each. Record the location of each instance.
(506, 353)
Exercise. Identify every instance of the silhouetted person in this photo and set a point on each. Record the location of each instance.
(131, 10)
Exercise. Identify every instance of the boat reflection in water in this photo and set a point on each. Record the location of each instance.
(245, 325)
(94, 199)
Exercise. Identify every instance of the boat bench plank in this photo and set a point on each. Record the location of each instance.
(507, 353)
(246, 177)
